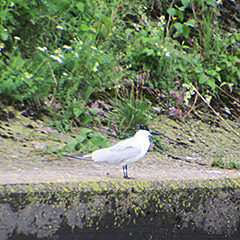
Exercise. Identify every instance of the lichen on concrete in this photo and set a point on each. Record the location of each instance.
(212, 208)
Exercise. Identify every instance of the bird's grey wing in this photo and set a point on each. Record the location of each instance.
(118, 153)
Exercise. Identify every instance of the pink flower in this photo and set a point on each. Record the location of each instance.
(179, 96)
(100, 110)
(139, 77)
(94, 105)
(175, 112)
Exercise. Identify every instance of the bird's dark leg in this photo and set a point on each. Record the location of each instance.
(125, 174)
(123, 171)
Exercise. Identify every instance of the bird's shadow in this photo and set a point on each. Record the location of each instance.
(127, 178)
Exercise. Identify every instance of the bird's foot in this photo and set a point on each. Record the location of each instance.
(126, 177)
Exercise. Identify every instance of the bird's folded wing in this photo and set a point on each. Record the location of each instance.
(118, 153)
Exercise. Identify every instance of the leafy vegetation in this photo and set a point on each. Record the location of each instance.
(129, 111)
(62, 57)
(218, 162)
(87, 140)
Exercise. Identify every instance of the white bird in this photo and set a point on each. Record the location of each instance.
(124, 152)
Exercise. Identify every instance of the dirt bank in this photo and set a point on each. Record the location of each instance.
(192, 146)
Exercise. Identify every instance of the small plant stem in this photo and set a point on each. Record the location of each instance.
(40, 65)
(194, 13)
(227, 94)
(195, 100)
(128, 124)
(214, 110)
(55, 80)
(169, 19)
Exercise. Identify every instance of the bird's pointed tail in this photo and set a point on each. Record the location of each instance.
(78, 156)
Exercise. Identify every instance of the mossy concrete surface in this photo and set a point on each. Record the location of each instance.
(172, 195)
(121, 210)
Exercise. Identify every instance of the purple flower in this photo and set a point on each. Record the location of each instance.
(179, 96)
(94, 105)
(117, 69)
(175, 112)
(139, 77)
(100, 110)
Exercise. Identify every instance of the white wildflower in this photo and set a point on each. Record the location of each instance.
(219, 2)
(44, 49)
(59, 27)
(58, 51)
(78, 41)
(94, 48)
(167, 54)
(27, 75)
(17, 38)
(93, 30)
(65, 74)
(56, 58)
(67, 47)
(95, 67)
(162, 18)
(2, 46)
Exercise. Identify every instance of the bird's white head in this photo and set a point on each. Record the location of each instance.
(142, 134)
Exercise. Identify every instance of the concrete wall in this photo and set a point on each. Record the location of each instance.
(124, 209)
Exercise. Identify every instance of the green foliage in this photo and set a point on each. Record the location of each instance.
(76, 112)
(57, 54)
(183, 21)
(129, 111)
(86, 141)
(146, 50)
(159, 144)
(51, 55)
(218, 65)
(218, 162)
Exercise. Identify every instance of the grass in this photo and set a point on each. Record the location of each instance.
(218, 162)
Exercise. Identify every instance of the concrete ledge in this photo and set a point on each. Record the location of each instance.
(123, 209)
(123, 185)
